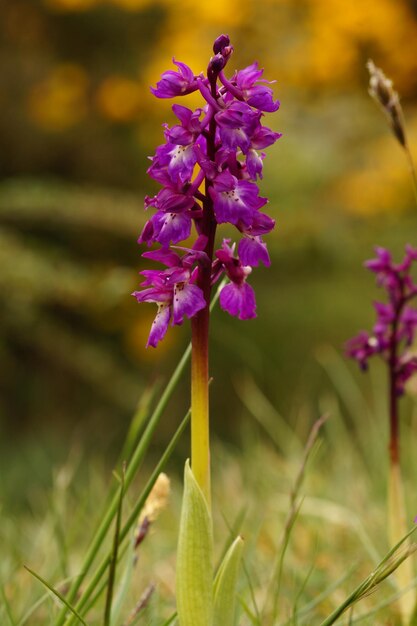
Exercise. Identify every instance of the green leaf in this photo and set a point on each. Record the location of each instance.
(225, 585)
(194, 577)
(114, 555)
(57, 594)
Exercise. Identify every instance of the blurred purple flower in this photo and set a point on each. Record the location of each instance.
(396, 322)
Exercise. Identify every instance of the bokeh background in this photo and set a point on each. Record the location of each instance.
(77, 122)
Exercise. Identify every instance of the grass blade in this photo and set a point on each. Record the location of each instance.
(382, 605)
(253, 618)
(58, 595)
(113, 558)
(386, 567)
(101, 569)
(274, 585)
(304, 611)
(7, 607)
(170, 620)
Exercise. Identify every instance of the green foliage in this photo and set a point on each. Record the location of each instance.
(336, 532)
(225, 585)
(194, 572)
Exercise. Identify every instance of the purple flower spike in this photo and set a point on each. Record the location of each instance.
(396, 322)
(207, 168)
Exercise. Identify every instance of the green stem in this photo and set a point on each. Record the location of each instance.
(412, 170)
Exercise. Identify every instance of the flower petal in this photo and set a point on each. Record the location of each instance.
(159, 325)
(188, 300)
(238, 300)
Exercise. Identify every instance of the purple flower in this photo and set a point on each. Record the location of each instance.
(408, 325)
(172, 222)
(258, 96)
(254, 164)
(176, 83)
(185, 133)
(252, 249)
(208, 168)
(396, 322)
(361, 348)
(235, 201)
(173, 290)
(264, 137)
(237, 123)
(237, 297)
(178, 160)
(406, 367)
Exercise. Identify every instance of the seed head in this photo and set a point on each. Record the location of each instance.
(157, 499)
(382, 91)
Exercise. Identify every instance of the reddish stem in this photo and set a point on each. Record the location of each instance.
(394, 443)
(200, 441)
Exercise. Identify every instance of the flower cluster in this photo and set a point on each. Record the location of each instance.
(396, 324)
(208, 168)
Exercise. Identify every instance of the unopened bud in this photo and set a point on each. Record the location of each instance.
(217, 63)
(221, 42)
(215, 66)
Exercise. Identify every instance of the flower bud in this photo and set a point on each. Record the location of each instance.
(221, 42)
(216, 64)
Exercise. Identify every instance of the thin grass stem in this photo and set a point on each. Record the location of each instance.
(113, 557)
(274, 585)
(59, 595)
(101, 569)
(386, 567)
(7, 607)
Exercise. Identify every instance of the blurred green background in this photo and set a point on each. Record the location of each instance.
(77, 122)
